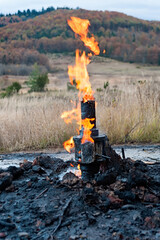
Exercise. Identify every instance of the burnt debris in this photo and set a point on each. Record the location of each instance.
(117, 203)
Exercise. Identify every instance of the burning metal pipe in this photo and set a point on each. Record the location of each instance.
(88, 111)
(90, 154)
(90, 146)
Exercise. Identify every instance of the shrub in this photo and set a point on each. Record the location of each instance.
(37, 81)
(12, 89)
(106, 84)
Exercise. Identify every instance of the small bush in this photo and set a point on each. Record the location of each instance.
(37, 81)
(99, 89)
(106, 84)
(12, 89)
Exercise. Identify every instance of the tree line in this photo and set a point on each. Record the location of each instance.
(122, 37)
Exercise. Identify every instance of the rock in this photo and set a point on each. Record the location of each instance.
(106, 178)
(70, 179)
(55, 164)
(136, 216)
(127, 196)
(16, 172)
(137, 178)
(139, 165)
(5, 180)
(88, 189)
(26, 165)
(38, 169)
(1, 170)
(6, 224)
(74, 237)
(34, 179)
(118, 186)
(157, 236)
(151, 198)
(115, 201)
(23, 234)
(10, 188)
(3, 235)
(128, 207)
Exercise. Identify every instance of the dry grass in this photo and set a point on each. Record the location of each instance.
(128, 110)
(131, 117)
(33, 122)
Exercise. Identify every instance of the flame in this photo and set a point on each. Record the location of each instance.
(79, 168)
(80, 27)
(78, 172)
(69, 144)
(71, 165)
(79, 73)
(87, 125)
(69, 116)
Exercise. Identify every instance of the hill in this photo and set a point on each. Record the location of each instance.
(123, 37)
(22, 16)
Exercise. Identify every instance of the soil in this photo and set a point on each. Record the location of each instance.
(146, 153)
(120, 202)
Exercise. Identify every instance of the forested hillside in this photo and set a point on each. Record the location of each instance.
(122, 37)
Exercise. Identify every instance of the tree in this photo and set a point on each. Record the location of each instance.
(37, 81)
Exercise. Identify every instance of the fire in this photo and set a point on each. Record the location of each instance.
(79, 168)
(80, 27)
(79, 73)
(87, 125)
(69, 116)
(69, 144)
(78, 172)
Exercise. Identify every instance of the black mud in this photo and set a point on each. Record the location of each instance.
(122, 202)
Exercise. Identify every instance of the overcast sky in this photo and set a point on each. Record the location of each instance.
(144, 9)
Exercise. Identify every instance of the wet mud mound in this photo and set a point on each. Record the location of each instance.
(122, 201)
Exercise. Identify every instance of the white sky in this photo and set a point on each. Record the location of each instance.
(144, 9)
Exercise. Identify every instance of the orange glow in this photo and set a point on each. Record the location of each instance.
(80, 74)
(104, 51)
(89, 54)
(80, 27)
(78, 172)
(71, 165)
(69, 144)
(69, 116)
(79, 168)
(87, 125)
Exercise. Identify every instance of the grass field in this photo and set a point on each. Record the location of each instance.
(128, 110)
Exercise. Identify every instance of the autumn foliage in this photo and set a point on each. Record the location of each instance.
(122, 37)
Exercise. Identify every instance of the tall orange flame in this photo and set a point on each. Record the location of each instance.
(80, 27)
(79, 73)
(87, 125)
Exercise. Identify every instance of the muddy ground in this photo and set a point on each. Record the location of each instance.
(119, 203)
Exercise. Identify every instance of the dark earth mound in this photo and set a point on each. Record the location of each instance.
(121, 202)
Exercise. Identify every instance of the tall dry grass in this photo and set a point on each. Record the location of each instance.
(126, 115)
(33, 122)
(131, 115)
